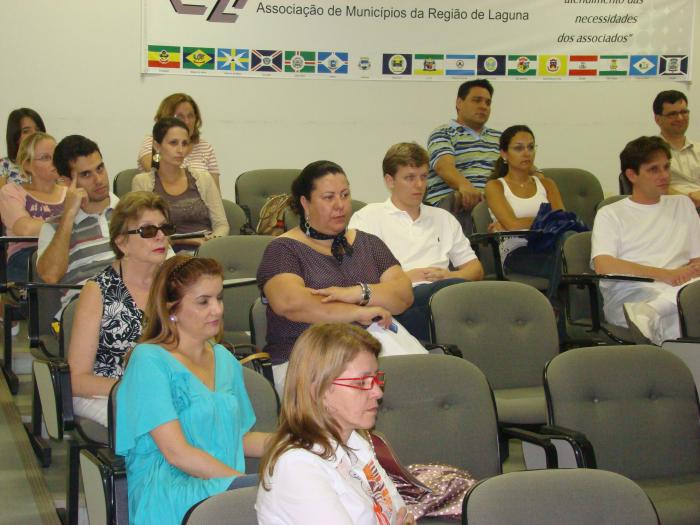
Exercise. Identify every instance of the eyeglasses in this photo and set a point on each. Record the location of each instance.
(151, 230)
(362, 383)
(673, 114)
(519, 148)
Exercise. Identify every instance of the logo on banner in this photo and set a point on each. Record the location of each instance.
(552, 65)
(644, 65)
(265, 60)
(300, 61)
(217, 13)
(232, 59)
(364, 64)
(522, 65)
(613, 65)
(164, 56)
(583, 65)
(332, 62)
(491, 65)
(460, 65)
(428, 64)
(673, 65)
(396, 64)
(199, 58)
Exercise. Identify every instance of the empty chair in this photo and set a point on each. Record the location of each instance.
(580, 191)
(554, 497)
(506, 329)
(633, 410)
(235, 507)
(122, 181)
(254, 187)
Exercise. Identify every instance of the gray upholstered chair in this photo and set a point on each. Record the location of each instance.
(440, 409)
(580, 191)
(240, 255)
(255, 186)
(689, 310)
(291, 219)
(234, 507)
(553, 497)
(632, 410)
(235, 216)
(258, 323)
(122, 181)
(506, 329)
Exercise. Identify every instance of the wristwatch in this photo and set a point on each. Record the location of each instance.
(366, 294)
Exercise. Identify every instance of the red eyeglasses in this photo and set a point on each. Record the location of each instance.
(362, 383)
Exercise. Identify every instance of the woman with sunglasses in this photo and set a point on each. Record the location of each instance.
(107, 321)
(320, 466)
(514, 195)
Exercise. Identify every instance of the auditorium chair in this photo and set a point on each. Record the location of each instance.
(509, 332)
(624, 184)
(689, 310)
(235, 216)
(254, 187)
(292, 220)
(122, 181)
(631, 410)
(556, 496)
(580, 191)
(234, 507)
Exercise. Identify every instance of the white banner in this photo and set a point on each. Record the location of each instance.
(416, 40)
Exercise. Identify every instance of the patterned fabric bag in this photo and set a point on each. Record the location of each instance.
(271, 221)
(428, 490)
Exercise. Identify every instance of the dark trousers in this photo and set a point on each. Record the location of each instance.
(417, 318)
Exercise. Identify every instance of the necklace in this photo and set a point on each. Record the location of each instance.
(519, 184)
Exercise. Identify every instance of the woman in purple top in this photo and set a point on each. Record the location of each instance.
(321, 272)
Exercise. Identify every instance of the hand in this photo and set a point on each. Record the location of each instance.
(436, 274)
(418, 275)
(404, 517)
(75, 197)
(470, 196)
(681, 275)
(339, 294)
(366, 315)
(495, 227)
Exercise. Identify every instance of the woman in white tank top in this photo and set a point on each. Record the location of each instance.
(514, 195)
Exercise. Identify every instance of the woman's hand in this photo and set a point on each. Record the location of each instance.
(495, 227)
(404, 517)
(350, 294)
(366, 315)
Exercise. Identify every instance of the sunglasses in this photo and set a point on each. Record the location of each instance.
(362, 383)
(151, 230)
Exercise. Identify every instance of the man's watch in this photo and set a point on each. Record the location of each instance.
(366, 294)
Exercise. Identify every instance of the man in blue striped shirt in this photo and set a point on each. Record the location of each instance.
(463, 152)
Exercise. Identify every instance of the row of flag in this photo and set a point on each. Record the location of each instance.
(419, 64)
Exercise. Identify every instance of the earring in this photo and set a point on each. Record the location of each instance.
(306, 226)
(173, 319)
(156, 157)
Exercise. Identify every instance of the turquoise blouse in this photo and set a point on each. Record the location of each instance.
(157, 388)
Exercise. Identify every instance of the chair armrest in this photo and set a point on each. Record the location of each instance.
(446, 349)
(241, 281)
(496, 236)
(581, 447)
(586, 278)
(542, 441)
(193, 235)
(8, 239)
(53, 383)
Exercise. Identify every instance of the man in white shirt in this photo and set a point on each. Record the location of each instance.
(426, 240)
(672, 115)
(650, 234)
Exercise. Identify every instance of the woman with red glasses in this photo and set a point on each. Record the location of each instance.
(320, 467)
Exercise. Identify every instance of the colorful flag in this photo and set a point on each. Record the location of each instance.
(673, 65)
(644, 65)
(460, 65)
(583, 65)
(266, 60)
(613, 65)
(396, 64)
(522, 65)
(198, 58)
(552, 65)
(300, 61)
(333, 62)
(164, 56)
(426, 64)
(491, 65)
(228, 59)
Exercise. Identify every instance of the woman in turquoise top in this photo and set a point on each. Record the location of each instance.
(183, 414)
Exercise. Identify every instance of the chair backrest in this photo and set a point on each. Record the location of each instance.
(240, 256)
(122, 181)
(439, 409)
(580, 191)
(636, 404)
(610, 200)
(555, 496)
(689, 310)
(576, 258)
(235, 216)
(67, 317)
(44, 303)
(505, 328)
(481, 217)
(258, 323)
(235, 507)
(255, 186)
(264, 399)
(624, 184)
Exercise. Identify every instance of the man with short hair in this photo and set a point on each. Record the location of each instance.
(426, 240)
(650, 234)
(672, 115)
(463, 152)
(75, 246)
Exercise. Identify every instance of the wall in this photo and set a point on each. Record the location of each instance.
(77, 62)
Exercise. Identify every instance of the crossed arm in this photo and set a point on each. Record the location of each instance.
(607, 264)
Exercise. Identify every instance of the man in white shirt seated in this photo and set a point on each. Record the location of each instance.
(650, 234)
(426, 240)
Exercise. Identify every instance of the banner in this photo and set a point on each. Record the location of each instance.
(412, 40)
